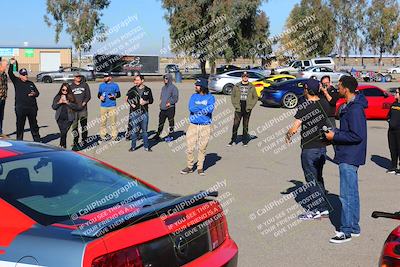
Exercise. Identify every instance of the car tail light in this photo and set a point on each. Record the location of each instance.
(128, 257)
(258, 85)
(391, 252)
(389, 262)
(218, 230)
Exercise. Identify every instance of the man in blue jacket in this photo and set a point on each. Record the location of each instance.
(350, 153)
(201, 107)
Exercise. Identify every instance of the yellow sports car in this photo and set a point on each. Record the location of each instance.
(261, 84)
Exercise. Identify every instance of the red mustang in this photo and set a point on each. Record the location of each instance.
(59, 208)
(379, 102)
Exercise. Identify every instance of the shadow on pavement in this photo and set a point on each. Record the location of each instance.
(333, 201)
(211, 160)
(50, 137)
(381, 161)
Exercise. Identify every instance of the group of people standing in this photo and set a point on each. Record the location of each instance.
(318, 130)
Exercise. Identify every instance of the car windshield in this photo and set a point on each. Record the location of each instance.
(52, 186)
(309, 69)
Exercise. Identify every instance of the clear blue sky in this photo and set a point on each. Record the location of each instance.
(24, 22)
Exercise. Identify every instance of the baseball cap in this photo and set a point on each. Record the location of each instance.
(312, 85)
(78, 74)
(23, 72)
(202, 83)
(245, 74)
(107, 74)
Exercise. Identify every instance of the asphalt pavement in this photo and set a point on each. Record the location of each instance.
(254, 182)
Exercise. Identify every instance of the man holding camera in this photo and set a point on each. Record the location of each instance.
(139, 97)
(311, 117)
(329, 95)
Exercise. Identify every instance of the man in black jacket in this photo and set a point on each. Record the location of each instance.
(82, 95)
(25, 102)
(329, 96)
(139, 97)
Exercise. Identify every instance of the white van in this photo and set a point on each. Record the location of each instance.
(294, 67)
(323, 62)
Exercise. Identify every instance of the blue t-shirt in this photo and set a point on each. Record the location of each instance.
(106, 90)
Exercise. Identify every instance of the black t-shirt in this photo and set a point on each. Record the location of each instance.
(134, 94)
(64, 112)
(313, 116)
(394, 116)
(331, 105)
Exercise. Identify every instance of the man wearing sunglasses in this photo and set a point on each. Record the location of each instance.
(25, 102)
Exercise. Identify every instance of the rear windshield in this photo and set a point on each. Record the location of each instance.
(52, 186)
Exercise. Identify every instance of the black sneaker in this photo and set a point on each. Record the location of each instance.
(230, 143)
(245, 142)
(131, 149)
(340, 238)
(186, 170)
(391, 170)
(397, 172)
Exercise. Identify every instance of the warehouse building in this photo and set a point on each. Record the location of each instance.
(37, 59)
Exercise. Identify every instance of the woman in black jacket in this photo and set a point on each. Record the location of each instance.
(394, 134)
(64, 104)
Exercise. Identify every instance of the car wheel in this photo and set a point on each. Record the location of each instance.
(394, 71)
(379, 77)
(227, 90)
(388, 78)
(290, 100)
(47, 79)
(129, 73)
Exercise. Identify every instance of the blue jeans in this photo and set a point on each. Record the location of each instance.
(2, 105)
(350, 199)
(139, 121)
(312, 162)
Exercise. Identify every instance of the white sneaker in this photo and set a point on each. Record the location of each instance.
(355, 235)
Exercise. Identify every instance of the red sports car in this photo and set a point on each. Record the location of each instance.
(59, 208)
(379, 102)
(390, 256)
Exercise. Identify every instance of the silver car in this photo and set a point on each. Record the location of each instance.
(319, 72)
(65, 75)
(224, 82)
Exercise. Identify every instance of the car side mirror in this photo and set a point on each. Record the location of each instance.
(385, 95)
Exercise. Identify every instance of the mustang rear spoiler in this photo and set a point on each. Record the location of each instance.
(144, 213)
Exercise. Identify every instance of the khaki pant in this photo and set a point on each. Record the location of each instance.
(197, 135)
(108, 114)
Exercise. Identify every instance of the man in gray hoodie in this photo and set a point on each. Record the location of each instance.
(168, 99)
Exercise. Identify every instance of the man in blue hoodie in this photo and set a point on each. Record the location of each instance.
(350, 153)
(201, 107)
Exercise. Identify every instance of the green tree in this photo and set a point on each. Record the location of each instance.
(349, 18)
(209, 29)
(81, 19)
(317, 37)
(383, 27)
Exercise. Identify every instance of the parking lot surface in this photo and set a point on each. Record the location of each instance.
(253, 181)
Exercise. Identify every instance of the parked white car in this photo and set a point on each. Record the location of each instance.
(300, 65)
(319, 72)
(394, 70)
(224, 82)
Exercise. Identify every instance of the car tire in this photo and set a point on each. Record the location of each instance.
(47, 79)
(129, 73)
(388, 78)
(227, 90)
(367, 79)
(394, 71)
(290, 100)
(379, 77)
